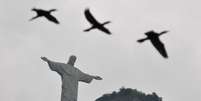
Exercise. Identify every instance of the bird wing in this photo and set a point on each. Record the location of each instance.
(51, 10)
(105, 30)
(90, 17)
(52, 18)
(160, 47)
(164, 31)
(142, 40)
(33, 18)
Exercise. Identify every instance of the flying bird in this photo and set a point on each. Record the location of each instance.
(95, 24)
(154, 38)
(46, 14)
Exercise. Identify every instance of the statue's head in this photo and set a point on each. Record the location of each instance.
(72, 60)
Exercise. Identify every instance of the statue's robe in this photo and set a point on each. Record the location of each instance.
(70, 77)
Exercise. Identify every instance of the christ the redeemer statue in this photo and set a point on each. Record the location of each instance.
(70, 77)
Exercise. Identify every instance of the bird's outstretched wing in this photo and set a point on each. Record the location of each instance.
(52, 18)
(102, 28)
(51, 10)
(90, 17)
(33, 18)
(142, 40)
(160, 47)
(162, 33)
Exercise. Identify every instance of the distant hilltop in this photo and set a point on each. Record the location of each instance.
(128, 94)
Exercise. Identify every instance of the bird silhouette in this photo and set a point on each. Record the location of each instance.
(95, 24)
(154, 38)
(46, 14)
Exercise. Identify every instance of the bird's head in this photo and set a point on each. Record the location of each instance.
(34, 9)
(149, 32)
(87, 10)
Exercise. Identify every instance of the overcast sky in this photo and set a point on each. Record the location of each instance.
(118, 58)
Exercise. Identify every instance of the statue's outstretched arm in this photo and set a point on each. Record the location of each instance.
(97, 77)
(45, 59)
(55, 66)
